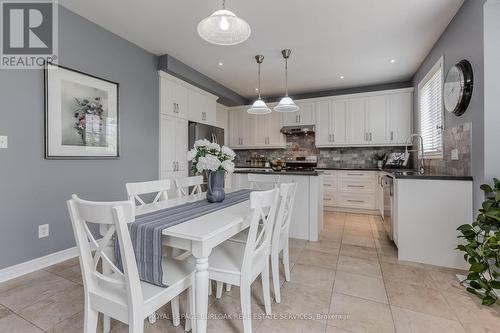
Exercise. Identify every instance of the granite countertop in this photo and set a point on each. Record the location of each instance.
(349, 167)
(269, 171)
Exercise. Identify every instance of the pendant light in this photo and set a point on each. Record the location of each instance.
(223, 27)
(259, 106)
(286, 104)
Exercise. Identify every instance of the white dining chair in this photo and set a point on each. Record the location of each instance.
(241, 263)
(183, 185)
(117, 294)
(261, 182)
(279, 240)
(160, 187)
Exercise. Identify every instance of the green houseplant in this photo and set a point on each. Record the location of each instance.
(482, 247)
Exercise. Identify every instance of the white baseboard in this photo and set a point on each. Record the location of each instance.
(15, 271)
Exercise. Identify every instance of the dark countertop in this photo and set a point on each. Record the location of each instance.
(283, 172)
(347, 167)
(416, 175)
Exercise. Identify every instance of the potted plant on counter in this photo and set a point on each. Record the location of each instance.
(482, 248)
(215, 161)
(380, 158)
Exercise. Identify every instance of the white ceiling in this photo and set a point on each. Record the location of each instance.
(328, 38)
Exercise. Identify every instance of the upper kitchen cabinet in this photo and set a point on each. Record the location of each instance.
(331, 122)
(305, 116)
(255, 131)
(375, 122)
(356, 121)
(399, 119)
(183, 100)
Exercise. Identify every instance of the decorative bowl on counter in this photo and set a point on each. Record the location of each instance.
(277, 165)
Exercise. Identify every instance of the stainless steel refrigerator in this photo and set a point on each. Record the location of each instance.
(199, 131)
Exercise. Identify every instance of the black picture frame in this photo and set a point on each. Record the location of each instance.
(48, 155)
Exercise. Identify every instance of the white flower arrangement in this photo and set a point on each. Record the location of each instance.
(210, 156)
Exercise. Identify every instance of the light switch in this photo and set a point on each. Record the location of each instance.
(454, 154)
(3, 141)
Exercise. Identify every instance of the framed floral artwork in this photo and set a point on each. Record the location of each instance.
(81, 115)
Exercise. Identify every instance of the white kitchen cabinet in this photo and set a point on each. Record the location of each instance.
(375, 122)
(202, 107)
(239, 127)
(350, 189)
(173, 98)
(173, 148)
(357, 121)
(331, 123)
(305, 116)
(399, 117)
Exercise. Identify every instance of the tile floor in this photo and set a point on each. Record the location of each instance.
(352, 277)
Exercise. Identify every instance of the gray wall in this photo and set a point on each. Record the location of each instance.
(33, 190)
(492, 89)
(463, 39)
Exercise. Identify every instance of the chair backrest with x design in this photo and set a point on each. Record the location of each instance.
(262, 182)
(113, 216)
(263, 205)
(160, 187)
(183, 185)
(284, 214)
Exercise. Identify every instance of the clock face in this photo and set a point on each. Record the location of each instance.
(453, 89)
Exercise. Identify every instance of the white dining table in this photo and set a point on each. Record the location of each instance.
(199, 236)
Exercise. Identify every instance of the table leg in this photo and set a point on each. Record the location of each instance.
(201, 294)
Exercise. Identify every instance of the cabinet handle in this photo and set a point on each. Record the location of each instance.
(173, 107)
(358, 201)
(173, 166)
(355, 174)
(392, 135)
(355, 186)
(333, 137)
(366, 136)
(370, 136)
(327, 185)
(300, 119)
(327, 199)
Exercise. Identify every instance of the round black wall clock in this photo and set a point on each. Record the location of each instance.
(457, 90)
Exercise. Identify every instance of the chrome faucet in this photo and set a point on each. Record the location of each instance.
(419, 150)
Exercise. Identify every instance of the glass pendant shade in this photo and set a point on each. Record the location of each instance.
(223, 27)
(259, 107)
(286, 104)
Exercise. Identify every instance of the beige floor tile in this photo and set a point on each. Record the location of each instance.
(296, 243)
(75, 324)
(333, 227)
(357, 218)
(48, 312)
(63, 265)
(324, 246)
(294, 253)
(4, 312)
(332, 329)
(363, 315)
(408, 321)
(474, 316)
(358, 240)
(327, 235)
(366, 287)
(418, 298)
(14, 324)
(299, 299)
(446, 281)
(19, 293)
(313, 275)
(408, 274)
(357, 233)
(358, 251)
(368, 267)
(72, 273)
(291, 326)
(317, 258)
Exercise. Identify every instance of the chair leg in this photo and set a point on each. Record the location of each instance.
(276, 276)
(246, 307)
(136, 325)
(90, 321)
(106, 324)
(228, 287)
(286, 262)
(266, 290)
(190, 319)
(218, 293)
(176, 316)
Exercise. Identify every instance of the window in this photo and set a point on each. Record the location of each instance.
(430, 92)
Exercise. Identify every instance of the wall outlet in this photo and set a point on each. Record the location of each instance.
(3, 141)
(43, 231)
(454, 154)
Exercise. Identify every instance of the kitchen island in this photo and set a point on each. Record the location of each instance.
(307, 216)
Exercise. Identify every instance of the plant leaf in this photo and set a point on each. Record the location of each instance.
(489, 300)
(495, 284)
(477, 267)
(486, 188)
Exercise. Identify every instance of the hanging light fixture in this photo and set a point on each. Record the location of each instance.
(259, 106)
(286, 104)
(223, 27)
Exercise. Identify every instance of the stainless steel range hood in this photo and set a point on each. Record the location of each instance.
(298, 130)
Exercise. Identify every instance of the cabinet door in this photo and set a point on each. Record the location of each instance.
(356, 121)
(376, 119)
(181, 143)
(323, 125)
(167, 144)
(306, 113)
(234, 127)
(291, 118)
(210, 111)
(400, 117)
(245, 128)
(258, 131)
(275, 138)
(338, 122)
(180, 96)
(167, 103)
